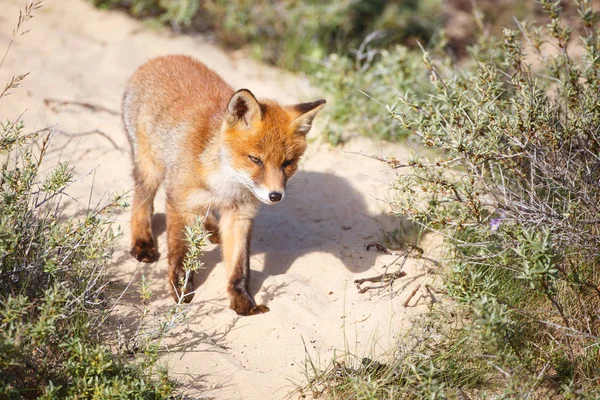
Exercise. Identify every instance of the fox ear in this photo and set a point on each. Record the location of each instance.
(243, 108)
(306, 113)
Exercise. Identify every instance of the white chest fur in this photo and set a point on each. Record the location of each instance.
(226, 187)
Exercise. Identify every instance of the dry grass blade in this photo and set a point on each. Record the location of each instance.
(13, 83)
(24, 15)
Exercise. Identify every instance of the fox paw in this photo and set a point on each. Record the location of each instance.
(214, 237)
(259, 309)
(186, 294)
(245, 306)
(145, 251)
(177, 294)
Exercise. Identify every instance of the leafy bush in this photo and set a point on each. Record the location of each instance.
(514, 189)
(53, 286)
(361, 84)
(292, 34)
(521, 205)
(178, 13)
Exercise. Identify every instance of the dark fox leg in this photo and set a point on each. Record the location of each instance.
(143, 246)
(236, 229)
(212, 225)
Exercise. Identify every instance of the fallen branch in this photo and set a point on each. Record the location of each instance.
(387, 278)
(92, 132)
(55, 104)
(409, 298)
(382, 249)
(379, 247)
(53, 131)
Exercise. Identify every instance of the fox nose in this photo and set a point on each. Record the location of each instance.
(275, 196)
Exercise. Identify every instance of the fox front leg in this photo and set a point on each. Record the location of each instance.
(236, 230)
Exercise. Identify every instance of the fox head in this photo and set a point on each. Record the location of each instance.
(264, 142)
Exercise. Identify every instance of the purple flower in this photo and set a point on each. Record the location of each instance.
(495, 224)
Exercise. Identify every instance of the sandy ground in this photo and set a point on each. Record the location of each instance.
(306, 251)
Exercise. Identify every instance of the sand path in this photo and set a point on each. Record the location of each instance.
(307, 251)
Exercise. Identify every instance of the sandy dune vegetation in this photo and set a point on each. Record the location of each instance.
(306, 251)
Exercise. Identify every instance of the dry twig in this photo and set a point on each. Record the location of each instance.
(412, 294)
(55, 104)
(92, 132)
(387, 278)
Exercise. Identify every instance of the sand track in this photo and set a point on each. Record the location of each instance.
(307, 251)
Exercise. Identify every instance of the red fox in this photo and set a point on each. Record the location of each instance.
(218, 152)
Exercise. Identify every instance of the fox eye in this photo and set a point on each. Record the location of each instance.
(255, 160)
(286, 163)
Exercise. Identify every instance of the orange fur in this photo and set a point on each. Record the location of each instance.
(216, 151)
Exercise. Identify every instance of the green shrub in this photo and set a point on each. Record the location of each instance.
(53, 284)
(513, 187)
(516, 190)
(362, 84)
(293, 34)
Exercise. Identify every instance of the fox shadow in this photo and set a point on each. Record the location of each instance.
(321, 212)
